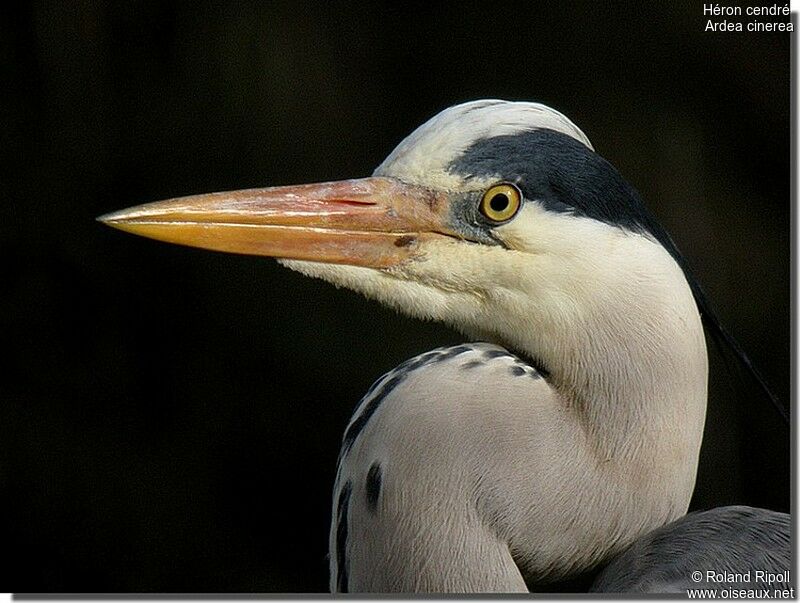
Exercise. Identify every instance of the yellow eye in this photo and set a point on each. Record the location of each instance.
(501, 202)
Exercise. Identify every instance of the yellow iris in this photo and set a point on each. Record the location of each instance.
(501, 202)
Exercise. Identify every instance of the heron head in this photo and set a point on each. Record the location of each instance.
(478, 207)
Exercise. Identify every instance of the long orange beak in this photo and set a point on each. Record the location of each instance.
(374, 222)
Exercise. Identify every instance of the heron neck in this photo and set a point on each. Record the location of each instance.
(626, 351)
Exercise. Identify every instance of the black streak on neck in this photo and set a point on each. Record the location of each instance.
(373, 486)
(343, 508)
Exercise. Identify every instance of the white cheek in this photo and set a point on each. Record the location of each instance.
(527, 232)
(539, 231)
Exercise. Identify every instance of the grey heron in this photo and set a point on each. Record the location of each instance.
(573, 431)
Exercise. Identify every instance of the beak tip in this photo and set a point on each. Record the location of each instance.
(114, 218)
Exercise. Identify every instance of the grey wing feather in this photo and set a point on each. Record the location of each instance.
(742, 547)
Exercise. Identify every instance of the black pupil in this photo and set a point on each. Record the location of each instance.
(499, 202)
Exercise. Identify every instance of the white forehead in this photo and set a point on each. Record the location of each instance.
(424, 155)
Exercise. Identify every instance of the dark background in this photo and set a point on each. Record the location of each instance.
(171, 417)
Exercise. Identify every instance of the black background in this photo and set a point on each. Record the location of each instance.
(171, 417)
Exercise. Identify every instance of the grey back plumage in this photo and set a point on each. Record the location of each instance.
(732, 547)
